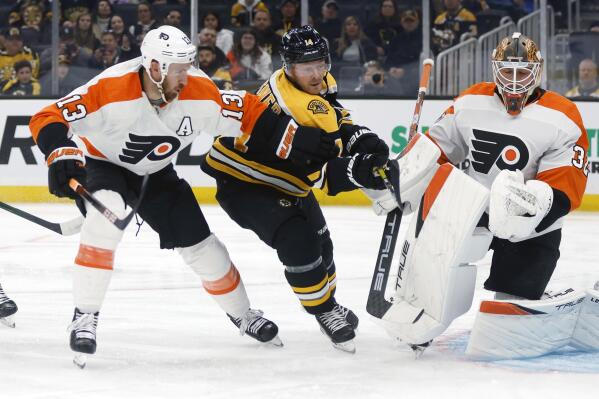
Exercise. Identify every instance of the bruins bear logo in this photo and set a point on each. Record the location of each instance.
(318, 107)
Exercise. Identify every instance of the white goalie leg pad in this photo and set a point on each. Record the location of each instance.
(434, 284)
(210, 260)
(586, 332)
(95, 259)
(510, 329)
(417, 167)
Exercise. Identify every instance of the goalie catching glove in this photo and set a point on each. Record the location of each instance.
(516, 208)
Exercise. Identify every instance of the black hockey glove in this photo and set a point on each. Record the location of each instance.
(360, 139)
(66, 161)
(360, 170)
(305, 145)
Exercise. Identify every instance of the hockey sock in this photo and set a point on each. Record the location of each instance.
(95, 259)
(93, 270)
(311, 287)
(332, 273)
(210, 260)
(329, 262)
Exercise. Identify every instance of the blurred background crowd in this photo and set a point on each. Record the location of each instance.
(376, 45)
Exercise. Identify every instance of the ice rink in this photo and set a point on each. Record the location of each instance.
(161, 336)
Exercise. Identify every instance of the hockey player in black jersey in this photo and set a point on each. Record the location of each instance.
(272, 195)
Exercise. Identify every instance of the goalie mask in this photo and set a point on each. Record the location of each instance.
(166, 45)
(517, 66)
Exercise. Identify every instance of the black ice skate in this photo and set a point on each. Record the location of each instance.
(83, 336)
(8, 307)
(257, 327)
(350, 316)
(337, 328)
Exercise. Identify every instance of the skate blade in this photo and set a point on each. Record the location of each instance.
(8, 321)
(347, 347)
(419, 349)
(80, 360)
(276, 342)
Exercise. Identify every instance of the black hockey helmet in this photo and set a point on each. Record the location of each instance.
(303, 44)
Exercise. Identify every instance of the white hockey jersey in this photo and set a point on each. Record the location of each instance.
(546, 141)
(116, 122)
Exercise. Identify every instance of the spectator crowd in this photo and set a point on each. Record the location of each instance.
(375, 46)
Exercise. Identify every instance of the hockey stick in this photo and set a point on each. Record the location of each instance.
(107, 213)
(73, 226)
(376, 304)
(66, 228)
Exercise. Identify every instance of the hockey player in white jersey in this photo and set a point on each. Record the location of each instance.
(525, 151)
(132, 120)
(8, 308)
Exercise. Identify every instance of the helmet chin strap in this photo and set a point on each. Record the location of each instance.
(159, 84)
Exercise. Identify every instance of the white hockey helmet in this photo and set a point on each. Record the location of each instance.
(166, 45)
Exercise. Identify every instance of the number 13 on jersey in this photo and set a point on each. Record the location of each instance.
(79, 113)
(232, 100)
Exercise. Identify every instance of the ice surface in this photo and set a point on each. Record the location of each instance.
(161, 336)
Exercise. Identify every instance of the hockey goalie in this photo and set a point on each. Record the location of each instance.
(525, 148)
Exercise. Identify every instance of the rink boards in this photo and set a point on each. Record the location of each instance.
(23, 173)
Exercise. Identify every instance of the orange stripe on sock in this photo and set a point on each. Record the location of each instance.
(505, 308)
(223, 285)
(98, 258)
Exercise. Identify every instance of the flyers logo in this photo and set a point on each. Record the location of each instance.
(490, 148)
(155, 148)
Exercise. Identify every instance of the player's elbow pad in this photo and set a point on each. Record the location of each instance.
(282, 135)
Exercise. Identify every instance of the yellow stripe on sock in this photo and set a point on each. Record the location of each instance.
(312, 288)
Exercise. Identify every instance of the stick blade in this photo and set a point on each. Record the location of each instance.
(376, 304)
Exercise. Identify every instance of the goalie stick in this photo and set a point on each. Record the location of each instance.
(377, 305)
(73, 226)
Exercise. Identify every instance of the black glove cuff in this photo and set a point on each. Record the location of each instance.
(53, 136)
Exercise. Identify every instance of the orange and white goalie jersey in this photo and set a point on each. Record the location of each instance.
(116, 122)
(546, 141)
